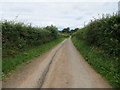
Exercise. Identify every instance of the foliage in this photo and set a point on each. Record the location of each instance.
(66, 30)
(102, 46)
(104, 64)
(103, 33)
(19, 36)
(53, 30)
(11, 63)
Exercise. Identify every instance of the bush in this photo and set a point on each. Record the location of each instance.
(53, 30)
(105, 65)
(103, 33)
(19, 37)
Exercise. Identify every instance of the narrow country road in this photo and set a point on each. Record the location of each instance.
(61, 67)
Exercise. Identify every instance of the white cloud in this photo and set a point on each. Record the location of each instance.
(61, 14)
(59, 0)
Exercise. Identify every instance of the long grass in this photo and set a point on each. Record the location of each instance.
(11, 63)
(104, 64)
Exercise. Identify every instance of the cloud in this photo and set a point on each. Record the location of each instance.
(59, 0)
(61, 14)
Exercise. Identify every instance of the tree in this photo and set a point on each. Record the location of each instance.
(76, 29)
(53, 30)
(66, 30)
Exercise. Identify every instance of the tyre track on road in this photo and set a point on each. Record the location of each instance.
(42, 79)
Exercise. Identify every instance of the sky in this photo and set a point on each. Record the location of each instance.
(62, 14)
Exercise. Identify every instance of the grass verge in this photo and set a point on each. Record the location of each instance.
(11, 63)
(105, 65)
